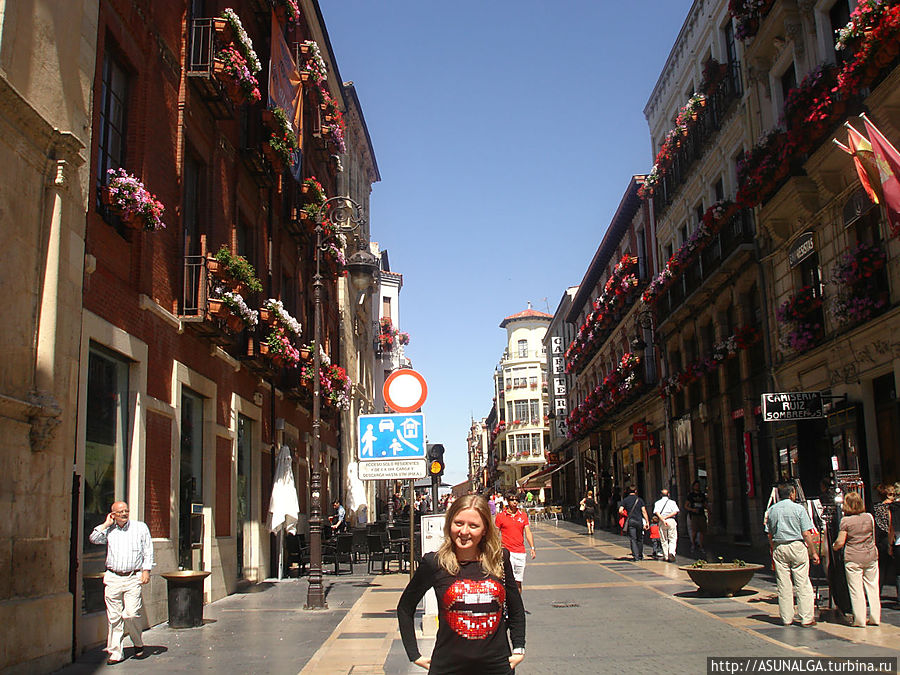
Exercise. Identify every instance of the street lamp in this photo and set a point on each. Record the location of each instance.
(345, 216)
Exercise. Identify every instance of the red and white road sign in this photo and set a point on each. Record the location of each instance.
(405, 390)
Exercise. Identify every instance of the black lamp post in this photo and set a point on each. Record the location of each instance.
(345, 216)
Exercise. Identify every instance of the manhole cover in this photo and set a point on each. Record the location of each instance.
(564, 604)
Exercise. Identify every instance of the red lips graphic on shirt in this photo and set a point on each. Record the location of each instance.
(474, 607)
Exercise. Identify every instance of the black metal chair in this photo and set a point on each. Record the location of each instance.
(296, 552)
(376, 549)
(359, 542)
(338, 550)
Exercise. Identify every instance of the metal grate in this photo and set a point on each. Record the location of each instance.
(561, 605)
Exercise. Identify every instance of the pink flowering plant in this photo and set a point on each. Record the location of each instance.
(281, 350)
(242, 40)
(128, 196)
(855, 276)
(236, 68)
(314, 64)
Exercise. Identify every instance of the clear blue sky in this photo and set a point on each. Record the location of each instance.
(505, 132)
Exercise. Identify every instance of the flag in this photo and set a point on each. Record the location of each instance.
(286, 89)
(864, 161)
(888, 161)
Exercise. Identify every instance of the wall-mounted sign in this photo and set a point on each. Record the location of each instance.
(556, 345)
(803, 247)
(639, 431)
(792, 405)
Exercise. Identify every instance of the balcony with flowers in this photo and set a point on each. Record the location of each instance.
(742, 339)
(334, 384)
(389, 338)
(801, 320)
(861, 285)
(748, 15)
(721, 241)
(820, 102)
(608, 309)
(281, 147)
(696, 124)
(619, 387)
(215, 304)
(136, 207)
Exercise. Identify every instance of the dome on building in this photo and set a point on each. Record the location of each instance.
(525, 315)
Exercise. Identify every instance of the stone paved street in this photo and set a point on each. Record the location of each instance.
(590, 610)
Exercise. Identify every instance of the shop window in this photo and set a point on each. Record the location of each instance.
(244, 454)
(105, 460)
(190, 477)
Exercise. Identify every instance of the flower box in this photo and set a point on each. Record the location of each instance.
(272, 157)
(223, 30)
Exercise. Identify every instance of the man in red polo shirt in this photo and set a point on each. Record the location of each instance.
(514, 530)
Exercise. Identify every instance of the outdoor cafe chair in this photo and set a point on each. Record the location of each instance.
(378, 550)
(341, 550)
(359, 542)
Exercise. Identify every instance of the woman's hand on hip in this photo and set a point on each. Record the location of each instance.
(424, 662)
(515, 660)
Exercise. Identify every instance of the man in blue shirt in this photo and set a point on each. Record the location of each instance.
(790, 531)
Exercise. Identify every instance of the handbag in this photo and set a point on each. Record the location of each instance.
(582, 506)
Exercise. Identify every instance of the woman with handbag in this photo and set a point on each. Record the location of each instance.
(589, 510)
(857, 538)
(478, 599)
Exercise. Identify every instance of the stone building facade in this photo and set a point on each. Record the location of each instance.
(46, 69)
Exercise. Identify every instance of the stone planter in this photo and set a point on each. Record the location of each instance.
(721, 579)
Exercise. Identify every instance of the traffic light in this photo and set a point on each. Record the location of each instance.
(435, 459)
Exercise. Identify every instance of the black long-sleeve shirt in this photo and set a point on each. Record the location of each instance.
(471, 623)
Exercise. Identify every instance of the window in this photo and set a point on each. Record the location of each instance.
(244, 451)
(191, 472)
(386, 306)
(642, 254)
(810, 274)
(698, 210)
(113, 118)
(521, 411)
(522, 347)
(839, 16)
(788, 81)
(246, 240)
(536, 445)
(105, 458)
(535, 410)
(684, 233)
(289, 293)
(667, 250)
(719, 190)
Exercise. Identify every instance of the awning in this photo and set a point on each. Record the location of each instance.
(540, 474)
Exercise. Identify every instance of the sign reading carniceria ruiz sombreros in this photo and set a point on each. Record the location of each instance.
(792, 405)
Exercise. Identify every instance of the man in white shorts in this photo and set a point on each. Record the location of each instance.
(514, 530)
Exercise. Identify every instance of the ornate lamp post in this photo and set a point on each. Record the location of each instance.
(345, 216)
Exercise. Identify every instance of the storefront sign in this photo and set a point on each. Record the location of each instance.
(792, 405)
(737, 413)
(803, 247)
(748, 464)
(639, 431)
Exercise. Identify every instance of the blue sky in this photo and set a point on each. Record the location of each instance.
(505, 132)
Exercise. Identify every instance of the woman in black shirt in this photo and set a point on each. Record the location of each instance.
(473, 580)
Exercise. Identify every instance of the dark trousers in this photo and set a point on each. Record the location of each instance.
(636, 538)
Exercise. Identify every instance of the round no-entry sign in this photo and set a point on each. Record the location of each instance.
(405, 390)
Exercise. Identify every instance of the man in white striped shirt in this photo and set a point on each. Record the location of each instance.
(129, 559)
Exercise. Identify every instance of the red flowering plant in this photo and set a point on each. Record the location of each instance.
(810, 102)
(282, 138)
(281, 349)
(747, 15)
(291, 10)
(855, 275)
(713, 73)
(315, 193)
(759, 168)
(619, 385)
(743, 338)
(615, 294)
(800, 317)
(335, 126)
(710, 224)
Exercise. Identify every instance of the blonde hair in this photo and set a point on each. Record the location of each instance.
(489, 546)
(853, 504)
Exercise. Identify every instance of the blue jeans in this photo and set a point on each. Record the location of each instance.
(636, 538)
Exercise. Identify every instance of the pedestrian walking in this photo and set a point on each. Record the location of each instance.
(514, 530)
(894, 538)
(589, 510)
(129, 559)
(667, 511)
(636, 521)
(857, 537)
(480, 608)
(882, 514)
(790, 538)
(654, 537)
(695, 505)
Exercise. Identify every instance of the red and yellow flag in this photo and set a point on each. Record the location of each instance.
(887, 159)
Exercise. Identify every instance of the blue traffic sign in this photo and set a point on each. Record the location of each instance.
(400, 436)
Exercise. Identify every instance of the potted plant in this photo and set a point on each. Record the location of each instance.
(128, 197)
(236, 267)
(721, 578)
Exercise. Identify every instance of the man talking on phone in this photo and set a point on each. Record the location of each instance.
(129, 559)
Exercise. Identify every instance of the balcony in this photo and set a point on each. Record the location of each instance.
(729, 250)
(254, 137)
(206, 316)
(720, 103)
(201, 66)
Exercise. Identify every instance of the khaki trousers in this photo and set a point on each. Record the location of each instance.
(792, 579)
(861, 577)
(123, 608)
(668, 535)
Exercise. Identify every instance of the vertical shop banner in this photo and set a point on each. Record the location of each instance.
(286, 90)
(748, 464)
